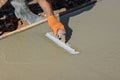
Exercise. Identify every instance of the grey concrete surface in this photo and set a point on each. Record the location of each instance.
(95, 31)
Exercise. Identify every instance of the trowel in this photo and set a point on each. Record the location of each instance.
(60, 40)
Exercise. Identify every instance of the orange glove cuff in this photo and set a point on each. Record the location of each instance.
(55, 24)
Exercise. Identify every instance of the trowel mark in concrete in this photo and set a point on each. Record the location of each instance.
(2, 58)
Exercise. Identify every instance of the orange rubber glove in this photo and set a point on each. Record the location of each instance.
(55, 24)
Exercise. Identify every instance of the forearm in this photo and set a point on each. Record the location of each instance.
(55, 25)
(46, 6)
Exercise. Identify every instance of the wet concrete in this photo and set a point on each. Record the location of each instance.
(29, 55)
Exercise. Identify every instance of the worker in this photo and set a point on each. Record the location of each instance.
(52, 20)
(54, 24)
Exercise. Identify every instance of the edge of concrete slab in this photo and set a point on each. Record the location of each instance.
(23, 29)
(45, 19)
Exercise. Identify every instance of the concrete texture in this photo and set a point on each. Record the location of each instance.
(95, 31)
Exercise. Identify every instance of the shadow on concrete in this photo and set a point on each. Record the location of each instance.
(65, 17)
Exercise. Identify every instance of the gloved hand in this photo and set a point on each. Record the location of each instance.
(56, 25)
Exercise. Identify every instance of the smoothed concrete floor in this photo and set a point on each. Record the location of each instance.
(95, 30)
